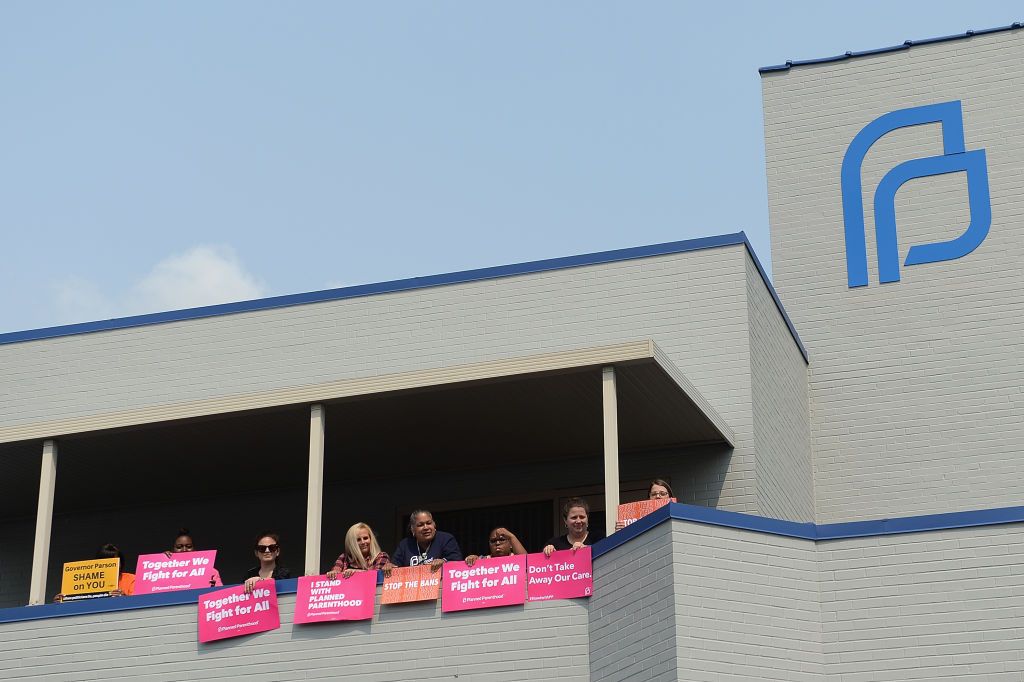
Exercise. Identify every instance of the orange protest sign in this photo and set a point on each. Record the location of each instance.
(88, 579)
(634, 511)
(415, 583)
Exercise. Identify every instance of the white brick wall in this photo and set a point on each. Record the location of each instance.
(694, 305)
(632, 623)
(746, 605)
(915, 386)
(778, 391)
(544, 640)
(940, 606)
(683, 601)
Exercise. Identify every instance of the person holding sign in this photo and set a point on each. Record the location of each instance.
(426, 545)
(183, 543)
(125, 581)
(268, 549)
(658, 490)
(361, 553)
(575, 516)
(502, 542)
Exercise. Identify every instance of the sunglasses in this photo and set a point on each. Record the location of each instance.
(266, 548)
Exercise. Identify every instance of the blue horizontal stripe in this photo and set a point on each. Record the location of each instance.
(894, 48)
(410, 284)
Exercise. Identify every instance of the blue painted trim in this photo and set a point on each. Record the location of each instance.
(778, 301)
(895, 48)
(358, 291)
(412, 283)
(921, 524)
(143, 601)
(811, 531)
(681, 512)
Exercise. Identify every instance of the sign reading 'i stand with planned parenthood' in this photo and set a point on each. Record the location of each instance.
(232, 612)
(320, 600)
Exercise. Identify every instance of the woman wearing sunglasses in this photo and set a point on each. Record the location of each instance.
(268, 549)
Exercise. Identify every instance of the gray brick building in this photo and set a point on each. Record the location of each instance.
(848, 466)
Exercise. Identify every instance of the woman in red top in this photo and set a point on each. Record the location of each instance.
(362, 552)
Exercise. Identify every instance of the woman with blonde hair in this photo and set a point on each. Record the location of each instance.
(362, 553)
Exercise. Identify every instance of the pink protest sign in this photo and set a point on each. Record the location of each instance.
(181, 571)
(232, 613)
(488, 582)
(319, 600)
(565, 575)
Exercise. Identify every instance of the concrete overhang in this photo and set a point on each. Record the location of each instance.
(505, 411)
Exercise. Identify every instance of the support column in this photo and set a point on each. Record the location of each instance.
(611, 448)
(315, 492)
(44, 522)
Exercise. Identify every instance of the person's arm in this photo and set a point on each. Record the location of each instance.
(339, 567)
(517, 547)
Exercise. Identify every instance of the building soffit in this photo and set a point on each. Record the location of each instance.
(652, 384)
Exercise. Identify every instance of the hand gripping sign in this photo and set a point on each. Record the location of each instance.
(563, 575)
(415, 583)
(499, 581)
(319, 599)
(232, 613)
(181, 571)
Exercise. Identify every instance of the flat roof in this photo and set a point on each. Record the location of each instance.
(410, 284)
(905, 45)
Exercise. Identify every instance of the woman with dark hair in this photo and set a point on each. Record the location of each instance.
(183, 543)
(425, 545)
(659, 489)
(576, 517)
(267, 549)
(502, 542)
(125, 581)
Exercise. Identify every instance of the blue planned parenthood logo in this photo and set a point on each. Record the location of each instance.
(953, 160)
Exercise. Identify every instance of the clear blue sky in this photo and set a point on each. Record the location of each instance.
(159, 155)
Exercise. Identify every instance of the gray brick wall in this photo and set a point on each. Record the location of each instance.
(914, 386)
(940, 606)
(694, 305)
(632, 622)
(683, 601)
(746, 605)
(545, 640)
(778, 394)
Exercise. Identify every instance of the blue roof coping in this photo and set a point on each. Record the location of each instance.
(409, 284)
(681, 512)
(906, 45)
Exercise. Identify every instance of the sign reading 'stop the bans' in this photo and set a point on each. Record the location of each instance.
(414, 583)
(89, 579)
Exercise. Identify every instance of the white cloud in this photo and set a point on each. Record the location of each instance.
(203, 275)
